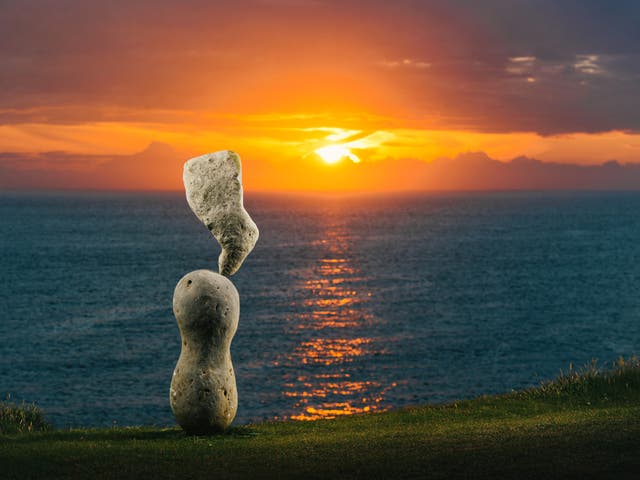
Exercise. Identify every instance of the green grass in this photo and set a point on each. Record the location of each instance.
(584, 424)
(21, 418)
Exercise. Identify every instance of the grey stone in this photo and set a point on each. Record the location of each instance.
(213, 183)
(203, 393)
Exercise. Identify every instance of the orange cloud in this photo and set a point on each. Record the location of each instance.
(276, 81)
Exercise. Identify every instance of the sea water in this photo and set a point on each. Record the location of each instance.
(349, 304)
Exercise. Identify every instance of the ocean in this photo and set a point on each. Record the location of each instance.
(349, 304)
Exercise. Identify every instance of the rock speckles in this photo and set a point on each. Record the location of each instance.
(213, 183)
(203, 393)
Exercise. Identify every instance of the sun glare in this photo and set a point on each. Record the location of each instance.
(334, 153)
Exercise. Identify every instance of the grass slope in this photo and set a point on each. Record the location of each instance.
(582, 425)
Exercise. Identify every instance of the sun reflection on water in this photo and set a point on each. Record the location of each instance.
(329, 352)
(334, 346)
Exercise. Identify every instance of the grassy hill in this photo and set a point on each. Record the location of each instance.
(582, 425)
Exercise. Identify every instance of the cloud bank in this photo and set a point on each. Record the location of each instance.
(159, 167)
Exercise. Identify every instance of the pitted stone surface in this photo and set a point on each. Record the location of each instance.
(203, 393)
(213, 183)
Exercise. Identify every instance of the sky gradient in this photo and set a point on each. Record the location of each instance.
(117, 95)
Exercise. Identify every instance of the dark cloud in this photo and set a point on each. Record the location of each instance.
(455, 60)
(560, 29)
(158, 167)
(476, 171)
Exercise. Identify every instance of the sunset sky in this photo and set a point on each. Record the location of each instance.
(118, 94)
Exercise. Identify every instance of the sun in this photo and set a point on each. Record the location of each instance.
(334, 153)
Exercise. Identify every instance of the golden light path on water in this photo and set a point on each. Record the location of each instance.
(335, 313)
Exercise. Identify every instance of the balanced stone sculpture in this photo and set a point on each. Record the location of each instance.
(206, 304)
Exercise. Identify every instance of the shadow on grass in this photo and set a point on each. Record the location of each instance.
(125, 433)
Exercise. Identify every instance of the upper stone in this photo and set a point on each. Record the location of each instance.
(213, 184)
